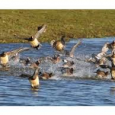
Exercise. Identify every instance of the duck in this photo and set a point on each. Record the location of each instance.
(6, 56)
(97, 59)
(112, 70)
(108, 46)
(35, 64)
(55, 59)
(33, 40)
(101, 74)
(34, 79)
(71, 52)
(100, 57)
(4, 59)
(58, 45)
(45, 75)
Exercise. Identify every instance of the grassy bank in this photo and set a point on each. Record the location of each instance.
(18, 24)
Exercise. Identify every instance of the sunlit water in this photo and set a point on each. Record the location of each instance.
(58, 91)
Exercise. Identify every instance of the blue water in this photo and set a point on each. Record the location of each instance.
(58, 91)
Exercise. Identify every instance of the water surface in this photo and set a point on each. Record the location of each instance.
(58, 91)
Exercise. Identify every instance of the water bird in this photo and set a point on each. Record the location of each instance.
(55, 59)
(58, 44)
(112, 70)
(35, 64)
(5, 56)
(34, 79)
(45, 75)
(100, 57)
(71, 52)
(97, 59)
(108, 46)
(101, 74)
(34, 39)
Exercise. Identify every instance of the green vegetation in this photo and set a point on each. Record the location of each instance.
(18, 24)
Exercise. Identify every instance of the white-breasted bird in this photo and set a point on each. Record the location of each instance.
(33, 40)
(6, 56)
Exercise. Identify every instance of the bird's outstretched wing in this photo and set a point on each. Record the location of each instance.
(105, 48)
(74, 47)
(41, 29)
(13, 52)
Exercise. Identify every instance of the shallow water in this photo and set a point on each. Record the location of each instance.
(58, 91)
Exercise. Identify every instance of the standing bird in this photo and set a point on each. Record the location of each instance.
(34, 39)
(5, 56)
(34, 79)
(71, 52)
(59, 44)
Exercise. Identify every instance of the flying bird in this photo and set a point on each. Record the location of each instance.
(33, 40)
(71, 52)
(6, 56)
(58, 44)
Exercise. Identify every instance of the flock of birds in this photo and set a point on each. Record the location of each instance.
(99, 60)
